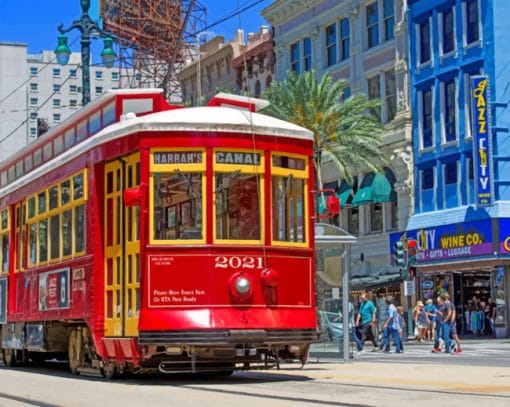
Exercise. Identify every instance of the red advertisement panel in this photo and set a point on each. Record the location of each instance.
(206, 280)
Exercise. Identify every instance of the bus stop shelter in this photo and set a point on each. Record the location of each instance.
(333, 261)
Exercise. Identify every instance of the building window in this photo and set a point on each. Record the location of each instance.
(99, 90)
(426, 107)
(34, 87)
(33, 116)
(257, 88)
(56, 72)
(345, 39)
(450, 173)
(372, 25)
(56, 102)
(353, 220)
(427, 178)
(307, 54)
(391, 95)
(33, 131)
(448, 32)
(472, 22)
(73, 73)
(295, 58)
(33, 71)
(56, 117)
(73, 88)
(56, 88)
(73, 103)
(331, 44)
(374, 92)
(424, 41)
(389, 19)
(346, 93)
(450, 111)
(99, 75)
(115, 76)
(376, 217)
(138, 76)
(34, 101)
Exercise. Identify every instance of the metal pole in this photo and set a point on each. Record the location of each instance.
(199, 74)
(345, 299)
(85, 66)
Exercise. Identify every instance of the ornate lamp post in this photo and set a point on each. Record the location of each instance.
(87, 27)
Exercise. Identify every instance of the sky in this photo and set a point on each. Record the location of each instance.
(34, 22)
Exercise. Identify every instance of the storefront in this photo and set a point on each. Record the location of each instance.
(469, 261)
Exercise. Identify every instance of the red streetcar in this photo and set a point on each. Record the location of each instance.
(137, 236)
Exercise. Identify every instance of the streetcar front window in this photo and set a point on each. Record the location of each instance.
(288, 213)
(238, 206)
(178, 206)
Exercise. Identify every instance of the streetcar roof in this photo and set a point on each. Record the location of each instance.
(193, 119)
(215, 119)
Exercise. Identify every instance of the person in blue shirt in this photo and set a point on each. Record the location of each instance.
(392, 326)
(430, 310)
(366, 321)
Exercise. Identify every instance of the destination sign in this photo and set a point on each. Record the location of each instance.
(230, 157)
(178, 157)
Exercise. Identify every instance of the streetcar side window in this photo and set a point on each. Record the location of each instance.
(56, 221)
(178, 206)
(4, 241)
(288, 188)
(237, 206)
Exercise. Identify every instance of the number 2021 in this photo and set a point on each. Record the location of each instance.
(236, 262)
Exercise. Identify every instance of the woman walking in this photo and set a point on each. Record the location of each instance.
(421, 321)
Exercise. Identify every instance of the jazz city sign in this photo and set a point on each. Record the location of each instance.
(449, 241)
(482, 140)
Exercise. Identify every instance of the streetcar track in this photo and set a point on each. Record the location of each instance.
(276, 397)
(26, 400)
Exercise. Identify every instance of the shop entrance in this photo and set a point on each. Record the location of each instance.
(471, 294)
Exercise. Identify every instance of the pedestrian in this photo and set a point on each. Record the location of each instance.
(402, 324)
(421, 321)
(439, 323)
(430, 309)
(453, 326)
(492, 316)
(366, 321)
(391, 326)
(446, 312)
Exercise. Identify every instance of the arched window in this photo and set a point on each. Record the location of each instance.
(268, 81)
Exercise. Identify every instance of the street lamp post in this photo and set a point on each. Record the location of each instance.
(87, 27)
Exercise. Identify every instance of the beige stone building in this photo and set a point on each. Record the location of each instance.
(255, 64)
(214, 63)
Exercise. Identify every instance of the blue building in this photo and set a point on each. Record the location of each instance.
(460, 89)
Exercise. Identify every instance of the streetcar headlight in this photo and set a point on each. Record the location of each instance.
(243, 285)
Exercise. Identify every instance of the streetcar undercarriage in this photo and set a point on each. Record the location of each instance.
(207, 351)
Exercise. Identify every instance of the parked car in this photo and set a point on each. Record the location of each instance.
(331, 326)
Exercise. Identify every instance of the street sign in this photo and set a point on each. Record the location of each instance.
(409, 288)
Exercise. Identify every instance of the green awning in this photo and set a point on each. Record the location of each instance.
(375, 188)
(344, 193)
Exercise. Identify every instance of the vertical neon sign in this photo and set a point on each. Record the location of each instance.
(482, 140)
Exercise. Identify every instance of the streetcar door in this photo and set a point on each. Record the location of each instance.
(122, 249)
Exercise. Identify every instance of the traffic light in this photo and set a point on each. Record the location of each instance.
(411, 259)
(399, 253)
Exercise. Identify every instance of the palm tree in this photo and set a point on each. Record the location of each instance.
(348, 131)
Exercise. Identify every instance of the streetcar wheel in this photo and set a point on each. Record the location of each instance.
(9, 356)
(74, 353)
(109, 371)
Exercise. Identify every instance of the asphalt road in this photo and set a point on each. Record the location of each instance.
(479, 376)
